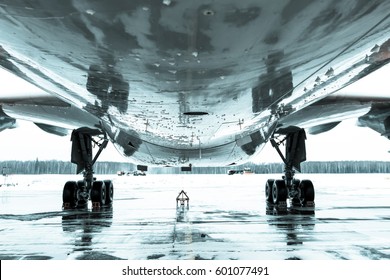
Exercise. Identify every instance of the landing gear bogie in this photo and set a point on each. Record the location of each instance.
(300, 193)
(101, 194)
(77, 194)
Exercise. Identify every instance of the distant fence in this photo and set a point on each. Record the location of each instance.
(63, 167)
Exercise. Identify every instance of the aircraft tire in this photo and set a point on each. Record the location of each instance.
(69, 194)
(268, 190)
(306, 192)
(279, 191)
(109, 192)
(98, 192)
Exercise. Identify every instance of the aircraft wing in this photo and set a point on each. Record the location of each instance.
(367, 100)
(193, 82)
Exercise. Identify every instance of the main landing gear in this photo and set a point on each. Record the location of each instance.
(300, 193)
(77, 194)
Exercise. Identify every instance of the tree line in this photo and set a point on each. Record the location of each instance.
(65, 167)
(59, 167)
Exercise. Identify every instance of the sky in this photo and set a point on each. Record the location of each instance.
(345, 142)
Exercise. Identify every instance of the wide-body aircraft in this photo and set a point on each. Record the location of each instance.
(192, 83)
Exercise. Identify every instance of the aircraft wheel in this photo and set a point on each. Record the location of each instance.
(69, 194)
(98, 192)
(306, 192)
(268, 191)
(279, 191)
(82, 202)
(295, 201)
(109, 192)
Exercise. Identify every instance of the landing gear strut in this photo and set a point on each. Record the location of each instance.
(300, 193)
(77, 194)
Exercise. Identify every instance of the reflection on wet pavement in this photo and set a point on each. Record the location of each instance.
(228, 219)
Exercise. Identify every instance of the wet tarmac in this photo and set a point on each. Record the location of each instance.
(227, 219)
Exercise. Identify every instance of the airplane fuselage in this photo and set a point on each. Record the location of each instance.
(188, 82)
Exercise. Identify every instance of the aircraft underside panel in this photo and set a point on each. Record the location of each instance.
(190, 82)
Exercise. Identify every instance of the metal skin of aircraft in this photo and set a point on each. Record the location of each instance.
(192, 83)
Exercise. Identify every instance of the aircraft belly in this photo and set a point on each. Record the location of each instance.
(192, 80)
(156, 155)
